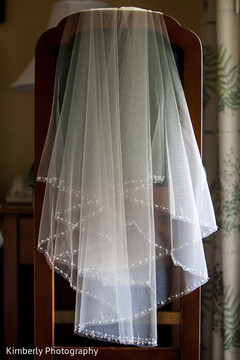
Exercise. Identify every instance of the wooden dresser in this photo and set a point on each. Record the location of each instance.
(17, 229)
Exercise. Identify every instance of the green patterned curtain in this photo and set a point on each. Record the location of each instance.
(221, 156)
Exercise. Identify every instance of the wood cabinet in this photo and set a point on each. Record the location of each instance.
(17, 230)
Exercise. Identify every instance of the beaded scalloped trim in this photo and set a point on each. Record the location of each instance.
(88, 200)
(104, 336)
(97, 275)
(80, 329)
(112, 320)
(156, 179)
(162, 252)
(93, 273)
(112, 338)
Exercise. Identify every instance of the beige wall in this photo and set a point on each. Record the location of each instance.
(25, 21)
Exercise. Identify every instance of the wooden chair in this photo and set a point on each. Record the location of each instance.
(187, 319)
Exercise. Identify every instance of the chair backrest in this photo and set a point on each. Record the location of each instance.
(187, 48)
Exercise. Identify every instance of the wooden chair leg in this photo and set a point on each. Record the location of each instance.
(190, 329)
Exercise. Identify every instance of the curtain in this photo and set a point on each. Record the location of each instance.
(221, 156)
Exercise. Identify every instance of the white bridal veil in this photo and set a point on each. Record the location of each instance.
(126, 202)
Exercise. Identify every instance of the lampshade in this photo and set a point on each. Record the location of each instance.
(60, 9)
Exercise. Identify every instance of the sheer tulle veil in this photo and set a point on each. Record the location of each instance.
(126, 200)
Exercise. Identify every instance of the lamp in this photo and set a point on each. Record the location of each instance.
(60, 9)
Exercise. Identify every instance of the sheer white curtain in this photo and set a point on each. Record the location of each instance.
(127, 201)
(221, 296)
